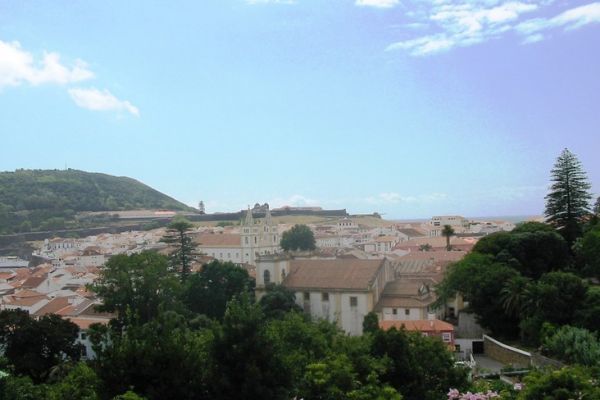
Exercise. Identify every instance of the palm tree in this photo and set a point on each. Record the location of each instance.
(447, 232)
(515, 295)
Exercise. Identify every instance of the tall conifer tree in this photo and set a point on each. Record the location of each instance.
(569, 199)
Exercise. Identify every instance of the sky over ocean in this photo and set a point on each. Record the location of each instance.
(408, 108)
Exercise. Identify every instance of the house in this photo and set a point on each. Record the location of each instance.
(407, 299)
(429, 327)
(341, 290)
(437, 223)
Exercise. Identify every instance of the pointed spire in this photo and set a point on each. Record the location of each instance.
(249, 220)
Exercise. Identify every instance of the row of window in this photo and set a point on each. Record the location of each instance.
(325, 298)
(406, 311)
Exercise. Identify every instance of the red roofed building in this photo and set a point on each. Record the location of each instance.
(432, 328)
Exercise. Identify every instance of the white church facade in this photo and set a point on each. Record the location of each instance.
(258, 236)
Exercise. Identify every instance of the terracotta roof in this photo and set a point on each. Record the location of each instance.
(434, 325)
(403, 302)
(54, 306)
(219, 240)
(33, 282)
(410, 232)
(84, 323)
(28, 293)
(25, 301)
(353, 274)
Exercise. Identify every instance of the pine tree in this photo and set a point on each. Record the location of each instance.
(567, 204)
(597, 207)
(178, 235)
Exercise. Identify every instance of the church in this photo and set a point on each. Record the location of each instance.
(258, 236)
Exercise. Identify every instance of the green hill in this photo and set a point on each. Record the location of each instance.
(35, 200)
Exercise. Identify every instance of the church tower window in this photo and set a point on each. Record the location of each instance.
(267, 277)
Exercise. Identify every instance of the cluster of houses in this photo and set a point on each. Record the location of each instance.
(389, 270)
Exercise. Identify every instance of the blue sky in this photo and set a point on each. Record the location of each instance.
(409, 108)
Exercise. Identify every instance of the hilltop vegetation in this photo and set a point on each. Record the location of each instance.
(37, 200)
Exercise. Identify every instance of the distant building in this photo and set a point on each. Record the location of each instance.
(257, 237)
(437, 223)
(430, 327)
(201, 207)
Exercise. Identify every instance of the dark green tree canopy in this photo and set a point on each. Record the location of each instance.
(178, 235)
(33, 346)
(568, 202)
(137, 287)
(532, 253)
(208, 291)
(300, 237)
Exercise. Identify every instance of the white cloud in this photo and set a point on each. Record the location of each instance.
(396, 198)
(377, 3)
(18, 66)
(460, 23)
(97, 100)
(574, 18)
(295, 200)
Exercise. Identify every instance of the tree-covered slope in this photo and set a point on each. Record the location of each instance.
(49, 199)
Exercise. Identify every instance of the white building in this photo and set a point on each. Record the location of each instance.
(338, 290)
(257, 237)
(437, 223)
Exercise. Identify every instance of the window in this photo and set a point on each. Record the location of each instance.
(446, 337)
(394, 311)
(306, 296)
(267, 277)
(353, 301)
(246, 240)
(324, 296)
(406, 311)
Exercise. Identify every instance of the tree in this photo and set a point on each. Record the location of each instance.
(300, 237)
(278, 301)
(160, 359)
(531, 253)
(137, 287)
(208, 291)
(588, 251)
(371, 323)
(514, 294)
(574, 345)
(564, 384)
(178, 236)
(448, 232)
(597, 206)
(419, 367)
(481, 280)
(247, 366)
(567, 204)
(33, 347)
(81, 383)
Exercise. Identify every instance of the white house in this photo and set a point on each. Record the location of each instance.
(339, 290)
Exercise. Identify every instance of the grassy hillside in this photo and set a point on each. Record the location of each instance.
(33, 200)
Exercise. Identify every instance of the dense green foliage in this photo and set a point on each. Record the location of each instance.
(42, 200)
(300, 237)
(517, 281)
(171, 340)
(568, 203)
(574, 345)
(33, 346)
